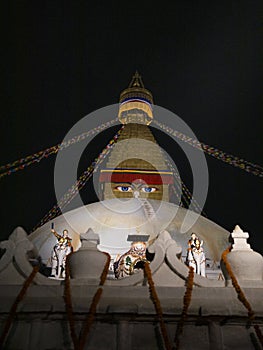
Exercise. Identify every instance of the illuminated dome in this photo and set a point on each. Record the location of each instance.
(115, 219)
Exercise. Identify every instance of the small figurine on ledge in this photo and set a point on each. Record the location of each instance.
(192, 241)
(195, 255)
(60, 251)
(130, 262)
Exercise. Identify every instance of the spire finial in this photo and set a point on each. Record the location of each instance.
(136, 81)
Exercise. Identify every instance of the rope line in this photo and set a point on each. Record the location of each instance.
(18, 299)
(187, 301)
(186, 193)
(228, 158)
(22, 163)
(157, 305)
(79, 184)
(79, 342)
(241, 296)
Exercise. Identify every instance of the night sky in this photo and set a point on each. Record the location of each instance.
(201, 60)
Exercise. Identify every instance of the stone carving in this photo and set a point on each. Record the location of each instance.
(128, 263)
(246, 264)
(19, 256)
(87, 264)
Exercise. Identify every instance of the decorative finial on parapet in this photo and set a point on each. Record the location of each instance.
(240, 239)
(246, 264)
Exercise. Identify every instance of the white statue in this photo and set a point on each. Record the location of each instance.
(195, 255)
(59, 253)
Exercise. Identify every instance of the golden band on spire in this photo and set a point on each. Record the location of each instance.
(136, 103)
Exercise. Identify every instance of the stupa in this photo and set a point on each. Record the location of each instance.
(122, 313)
(137, 156)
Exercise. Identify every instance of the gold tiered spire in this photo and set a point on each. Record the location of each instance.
(136, 103)
(136, 161)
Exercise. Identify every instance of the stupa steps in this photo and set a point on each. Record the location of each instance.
(137, 131)
(137, 155)
(134, 162)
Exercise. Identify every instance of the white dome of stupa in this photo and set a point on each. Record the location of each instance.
(115, 219)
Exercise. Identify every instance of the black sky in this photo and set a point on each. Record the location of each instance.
(201, 60)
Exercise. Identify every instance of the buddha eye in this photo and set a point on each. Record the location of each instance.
(124, 188)
(149, 189)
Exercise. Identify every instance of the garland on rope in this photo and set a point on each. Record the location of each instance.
(240, 294)
(243, 164)
(18, 299)
(187, 301)
(175, 192)
(79, 342)
(68, 303)
(157, 305)
(22, 163)
(93, 307)
(79, 184)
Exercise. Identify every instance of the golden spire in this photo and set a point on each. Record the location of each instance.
(136, 81)
(138, 160)
(136, 103)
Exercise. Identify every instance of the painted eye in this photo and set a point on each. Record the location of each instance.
(124, 188)
(149, 189)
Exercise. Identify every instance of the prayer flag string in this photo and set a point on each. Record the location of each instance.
(186, 195)
(240, 163)
(22, 163)
(79, 183)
